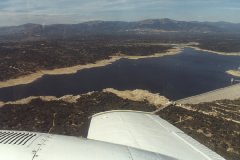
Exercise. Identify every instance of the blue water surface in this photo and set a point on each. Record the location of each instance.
(177, 76)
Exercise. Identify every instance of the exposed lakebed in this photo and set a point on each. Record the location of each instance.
(175, 76)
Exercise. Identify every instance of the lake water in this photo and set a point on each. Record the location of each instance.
(178, 76)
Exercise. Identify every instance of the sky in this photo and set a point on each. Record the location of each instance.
(17, 12)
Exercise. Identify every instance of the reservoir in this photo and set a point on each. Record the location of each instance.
(176, 76)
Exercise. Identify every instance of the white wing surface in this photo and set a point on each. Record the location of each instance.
(118, 135)
(148, 132)
(15, 145)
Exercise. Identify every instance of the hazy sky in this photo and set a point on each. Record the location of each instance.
(15, 12)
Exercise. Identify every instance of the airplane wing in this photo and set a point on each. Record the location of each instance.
(149, 132)
(15, 145)
(118, 135)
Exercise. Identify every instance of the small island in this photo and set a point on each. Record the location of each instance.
(235, 73)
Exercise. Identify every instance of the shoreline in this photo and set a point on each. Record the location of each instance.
(137, 95)
(235, 73)
(74, 69)
(66, 98)
(26, 79)
(216, 52)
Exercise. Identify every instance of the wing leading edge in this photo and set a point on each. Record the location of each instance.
(148, 132)
(119, 135)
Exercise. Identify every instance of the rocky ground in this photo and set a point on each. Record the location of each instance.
(62, 117)
(215, 124)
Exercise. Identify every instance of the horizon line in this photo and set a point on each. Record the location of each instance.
(99, 20)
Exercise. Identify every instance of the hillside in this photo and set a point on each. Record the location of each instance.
(214, 124)
(107, 27)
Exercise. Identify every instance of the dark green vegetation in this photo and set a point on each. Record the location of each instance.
(31, 47)
(21, 58)
(221, 42)
(69, 119)
(212, 124)
(215, 124)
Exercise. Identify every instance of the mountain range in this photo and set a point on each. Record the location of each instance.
(101, 27)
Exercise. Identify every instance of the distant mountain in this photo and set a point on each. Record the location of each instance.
(149, 26)
(172, 25)
(226, 26)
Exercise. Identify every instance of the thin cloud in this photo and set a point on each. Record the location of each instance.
(75, 11)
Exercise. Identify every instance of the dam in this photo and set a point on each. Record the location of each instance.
(232, 92)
